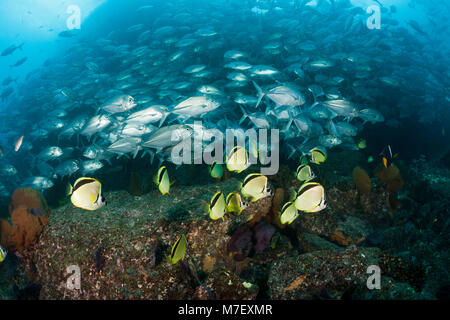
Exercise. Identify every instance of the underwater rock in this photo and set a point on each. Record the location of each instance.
(304, 276)
(372, 207)
(390, 290)
(228, 286)
(351, 230)
(310, 242)
(401, 270)
(134, 270)
(321, 223)
(257, 211)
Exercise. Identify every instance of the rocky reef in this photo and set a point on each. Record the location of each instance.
(121, 250)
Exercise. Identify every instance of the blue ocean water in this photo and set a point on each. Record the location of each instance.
(106, 88)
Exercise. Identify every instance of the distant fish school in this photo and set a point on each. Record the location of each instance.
(161, 82)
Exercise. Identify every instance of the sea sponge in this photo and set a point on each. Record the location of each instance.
(362, 180)
(29, 214)
(24, 231)
(277, 204)
(391, 177)
(263, 233)
(30, 198)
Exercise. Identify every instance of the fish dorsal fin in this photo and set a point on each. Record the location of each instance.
(82, 181)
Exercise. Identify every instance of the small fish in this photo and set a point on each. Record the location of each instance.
(86, 194)
(11, 49)
(256, 186)
(3, 253)
(235, 203)
(370, 159)
(318, 155)
(288, 213)
(162, 180)
(19, 62)
(217, 207)
(310, 197)
(18, 144)
(386, 156)
(237, 159)
(304, 173)
(216, 170)
(362, 144)
(178, 250)
(37, 211)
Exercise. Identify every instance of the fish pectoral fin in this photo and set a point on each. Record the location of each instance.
(93, 199)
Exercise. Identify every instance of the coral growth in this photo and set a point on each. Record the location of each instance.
(263, 234)
(391, 177)
(29, 214)
(277, 204)
(362, 180)
(30, 198)
(25, 230)
(239, 243)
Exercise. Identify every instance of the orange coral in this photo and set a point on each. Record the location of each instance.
(391, 177)
(208, 264)
(296, 283)
(362, 180)
(29, 198)
(277, 204)
(29, 212)
(24, 231)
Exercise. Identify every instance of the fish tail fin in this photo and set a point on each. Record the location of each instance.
(293, 151)
(163, 118)
(152, 157)
(285, 130)
(135, 153)
(244, 116)
(260, 94)
(332, 128)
